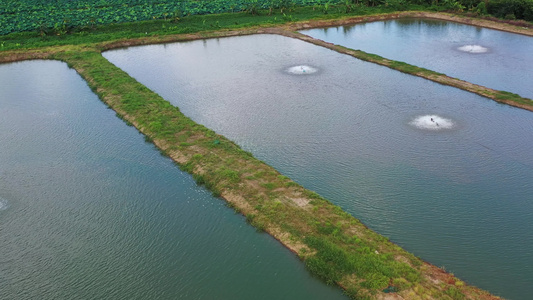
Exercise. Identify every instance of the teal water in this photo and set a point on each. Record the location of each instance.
(505, 65)
(88, 210)
(458, 196)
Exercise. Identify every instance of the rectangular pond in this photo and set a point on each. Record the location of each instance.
(455, 190)
(88, 210)
(491, 58)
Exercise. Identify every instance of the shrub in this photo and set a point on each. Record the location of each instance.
(509, 9)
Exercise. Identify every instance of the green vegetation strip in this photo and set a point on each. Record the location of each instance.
(333, 244)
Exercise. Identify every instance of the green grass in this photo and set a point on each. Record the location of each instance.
(507, 97)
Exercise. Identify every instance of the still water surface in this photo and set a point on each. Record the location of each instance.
(496, 59)
(457, 194)
(88, 210)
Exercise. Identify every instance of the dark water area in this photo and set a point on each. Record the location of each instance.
(495, 59)
(457, 194)
(88, 210)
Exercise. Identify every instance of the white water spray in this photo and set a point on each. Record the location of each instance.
(473, 49)
(432, 122)
(302, 70)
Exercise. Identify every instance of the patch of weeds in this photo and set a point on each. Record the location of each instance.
(275, 206)
(354, 240)
(187, 167)
(283, 177)
(322, 269)
(230, 175)
(197, 157)
(505, 96)
(148, 139)
(259, 174)
(232, 206)
(455, 293)
(330, 263)
(401, 283)
(312, 195)
(216, 193)
(269, 185)
(254, 221)
(200, 180)
(250, 218)
(404, 67)
(163, 152)
(326, 228)
(155, 126)
(287, 18)
(290, 184)
(375, 281)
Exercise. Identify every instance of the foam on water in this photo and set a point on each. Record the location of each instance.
(301, 70)
(432, 122)
(473, 49)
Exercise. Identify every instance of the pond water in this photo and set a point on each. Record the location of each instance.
(88, 210)
(457, 194)
(495, 59)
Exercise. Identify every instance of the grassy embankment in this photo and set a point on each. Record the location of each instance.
(334, 245)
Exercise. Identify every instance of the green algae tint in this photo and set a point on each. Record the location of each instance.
(459, 195)
(88, 210)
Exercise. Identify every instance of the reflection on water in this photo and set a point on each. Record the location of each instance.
(505, 64)
(459, 198)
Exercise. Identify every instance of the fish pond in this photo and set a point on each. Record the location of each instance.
(88, 210)
(444, 173)
(492, 58)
